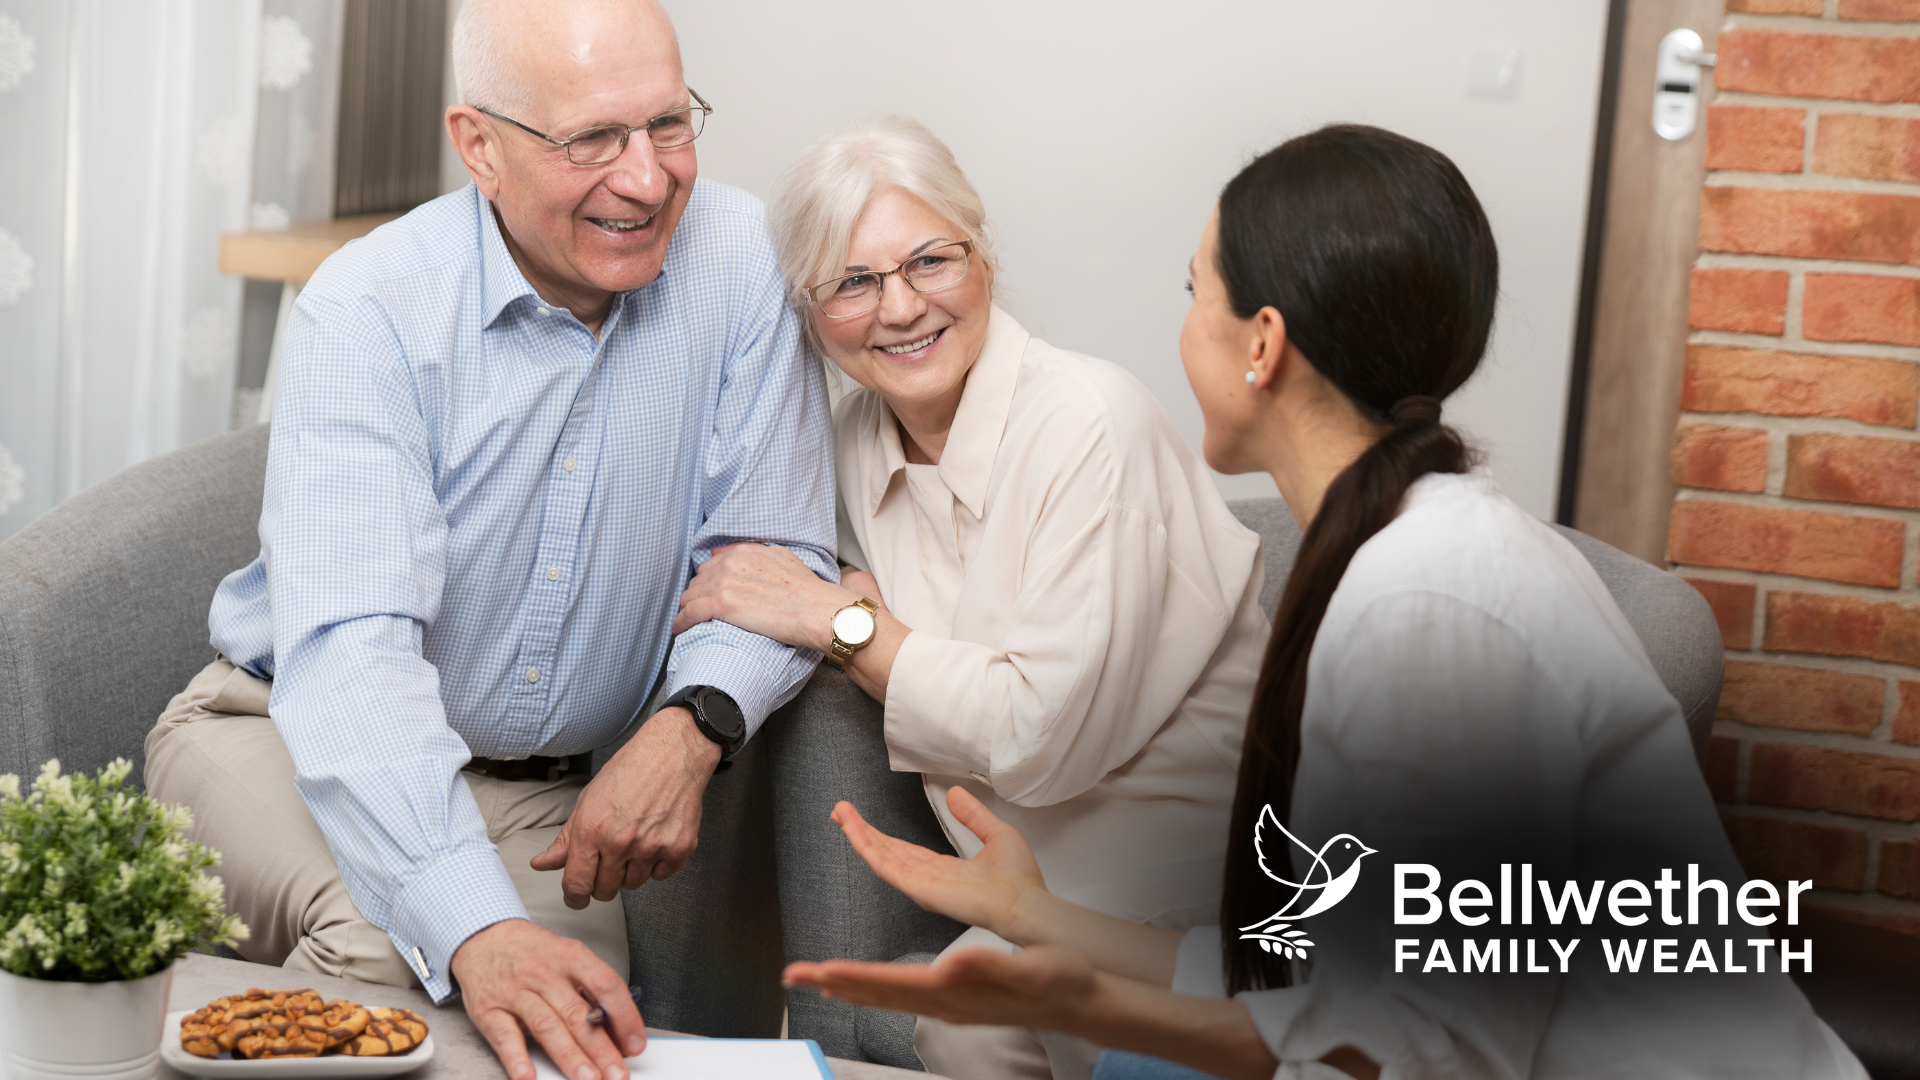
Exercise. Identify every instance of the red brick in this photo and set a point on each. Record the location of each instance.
(1791, 64)
(1756, 140)
(1869, 147)
(1830, 856)
(1906, 719)
(1876, 10)
(1775, 7)
(1900, 868)
(1833, 547)
(1732, 604)
(1862, 307)
(1741, 301)
(1806, 622)
(1860, 226)
(1722, 379)
(1854, 469)
(1843, 781)
(1722, 458)
(1804, 699)
(1723, 767)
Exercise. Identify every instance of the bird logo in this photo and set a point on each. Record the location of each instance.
(1332, 875)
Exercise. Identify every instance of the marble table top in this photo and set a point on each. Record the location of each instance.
(459, 1050)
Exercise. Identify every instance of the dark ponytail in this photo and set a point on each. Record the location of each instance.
(1376, 253)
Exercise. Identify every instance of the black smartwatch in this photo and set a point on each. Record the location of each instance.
(716, 715)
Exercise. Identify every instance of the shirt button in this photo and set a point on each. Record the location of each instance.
(533, 674)
(553, 573)
(546, 311)
(981, 777)
(567, 464)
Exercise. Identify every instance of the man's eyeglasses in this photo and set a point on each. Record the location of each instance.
(857, 294)
(599, 145)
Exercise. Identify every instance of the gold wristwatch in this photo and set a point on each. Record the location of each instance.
(853, 629)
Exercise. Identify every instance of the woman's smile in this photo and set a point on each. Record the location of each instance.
(917, 349)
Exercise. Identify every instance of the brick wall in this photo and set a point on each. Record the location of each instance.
(1797, 451)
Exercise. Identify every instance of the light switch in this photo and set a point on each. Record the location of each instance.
(1492, 69)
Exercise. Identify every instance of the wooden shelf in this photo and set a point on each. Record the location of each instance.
(292, 254)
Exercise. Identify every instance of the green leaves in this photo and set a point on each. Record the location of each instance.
(98, 883)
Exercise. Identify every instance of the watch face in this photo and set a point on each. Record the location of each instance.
(853, 625)
(720, 711)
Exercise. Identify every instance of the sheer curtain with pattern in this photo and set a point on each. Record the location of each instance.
(135, 134)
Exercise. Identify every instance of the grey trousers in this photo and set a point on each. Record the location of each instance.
(825, 746)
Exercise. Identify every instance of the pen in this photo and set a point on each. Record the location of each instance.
(599, 1015)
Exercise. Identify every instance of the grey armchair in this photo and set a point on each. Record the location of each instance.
(103, 607)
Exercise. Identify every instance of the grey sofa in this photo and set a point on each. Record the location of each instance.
(103, 605)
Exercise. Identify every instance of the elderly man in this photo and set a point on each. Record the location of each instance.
(510, 424)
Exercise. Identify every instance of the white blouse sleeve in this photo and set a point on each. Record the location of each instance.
(1114, 617)
(1433, 734)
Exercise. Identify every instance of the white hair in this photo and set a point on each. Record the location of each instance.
(483, 73)
(818, 197)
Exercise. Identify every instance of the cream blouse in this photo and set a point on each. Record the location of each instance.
(1086, 622)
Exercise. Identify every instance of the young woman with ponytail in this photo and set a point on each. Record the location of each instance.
(1448, 684)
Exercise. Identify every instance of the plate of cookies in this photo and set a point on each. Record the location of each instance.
(288, 1033)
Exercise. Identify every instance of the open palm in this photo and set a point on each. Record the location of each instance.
(989, 890)
(1041, 986)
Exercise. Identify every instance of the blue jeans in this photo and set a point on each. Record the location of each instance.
(1125, 1065)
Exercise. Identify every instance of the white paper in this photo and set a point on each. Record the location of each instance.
(713, 1059)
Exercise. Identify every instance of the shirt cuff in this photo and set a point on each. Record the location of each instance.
(924, 732)
(739, 675)
(446, 903)
(1275, 1013)
(1196, 967)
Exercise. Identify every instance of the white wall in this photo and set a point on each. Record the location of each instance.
(1099, 134)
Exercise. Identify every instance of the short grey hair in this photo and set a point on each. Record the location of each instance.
(818, 197)
(483, 73)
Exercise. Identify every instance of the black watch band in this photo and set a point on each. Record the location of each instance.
(716, 715)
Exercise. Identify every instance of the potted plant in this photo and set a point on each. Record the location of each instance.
(99, 894)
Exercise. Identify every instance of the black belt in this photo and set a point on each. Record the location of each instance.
(533, 768)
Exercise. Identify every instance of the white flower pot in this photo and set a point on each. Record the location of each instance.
(82, 1031)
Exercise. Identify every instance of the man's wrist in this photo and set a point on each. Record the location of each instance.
(700, 750)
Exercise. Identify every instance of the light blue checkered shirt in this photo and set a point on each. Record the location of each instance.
(479, 520)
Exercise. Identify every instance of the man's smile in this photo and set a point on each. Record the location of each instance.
(623, 225)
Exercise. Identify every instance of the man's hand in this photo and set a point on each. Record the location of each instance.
(516, 975)
(639, 819)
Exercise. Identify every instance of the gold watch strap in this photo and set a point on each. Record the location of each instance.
(841, 652)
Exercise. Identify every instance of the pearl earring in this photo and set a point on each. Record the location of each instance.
(1252, 378)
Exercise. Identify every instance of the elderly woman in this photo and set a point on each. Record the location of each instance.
(1057, 610)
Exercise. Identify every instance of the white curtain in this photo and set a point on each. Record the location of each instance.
(130, 135)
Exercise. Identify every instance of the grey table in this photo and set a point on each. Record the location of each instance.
(459, 1050)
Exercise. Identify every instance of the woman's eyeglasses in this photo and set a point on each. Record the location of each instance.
(856, 294)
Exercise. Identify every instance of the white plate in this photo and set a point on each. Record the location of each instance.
(313, 1068)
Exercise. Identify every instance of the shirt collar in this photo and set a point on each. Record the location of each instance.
(978, 424)
(501, 280)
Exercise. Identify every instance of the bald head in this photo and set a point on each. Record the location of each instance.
(517, 56)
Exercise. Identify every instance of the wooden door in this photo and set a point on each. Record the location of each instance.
(1616, 480)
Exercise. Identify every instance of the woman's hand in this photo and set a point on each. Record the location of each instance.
(1039, 987)
(1056, 988)
(994, 889)
(765, 589)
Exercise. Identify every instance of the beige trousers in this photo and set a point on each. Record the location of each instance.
(984, 1052)
(215, 751)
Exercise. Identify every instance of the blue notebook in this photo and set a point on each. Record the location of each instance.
(717, 1059)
